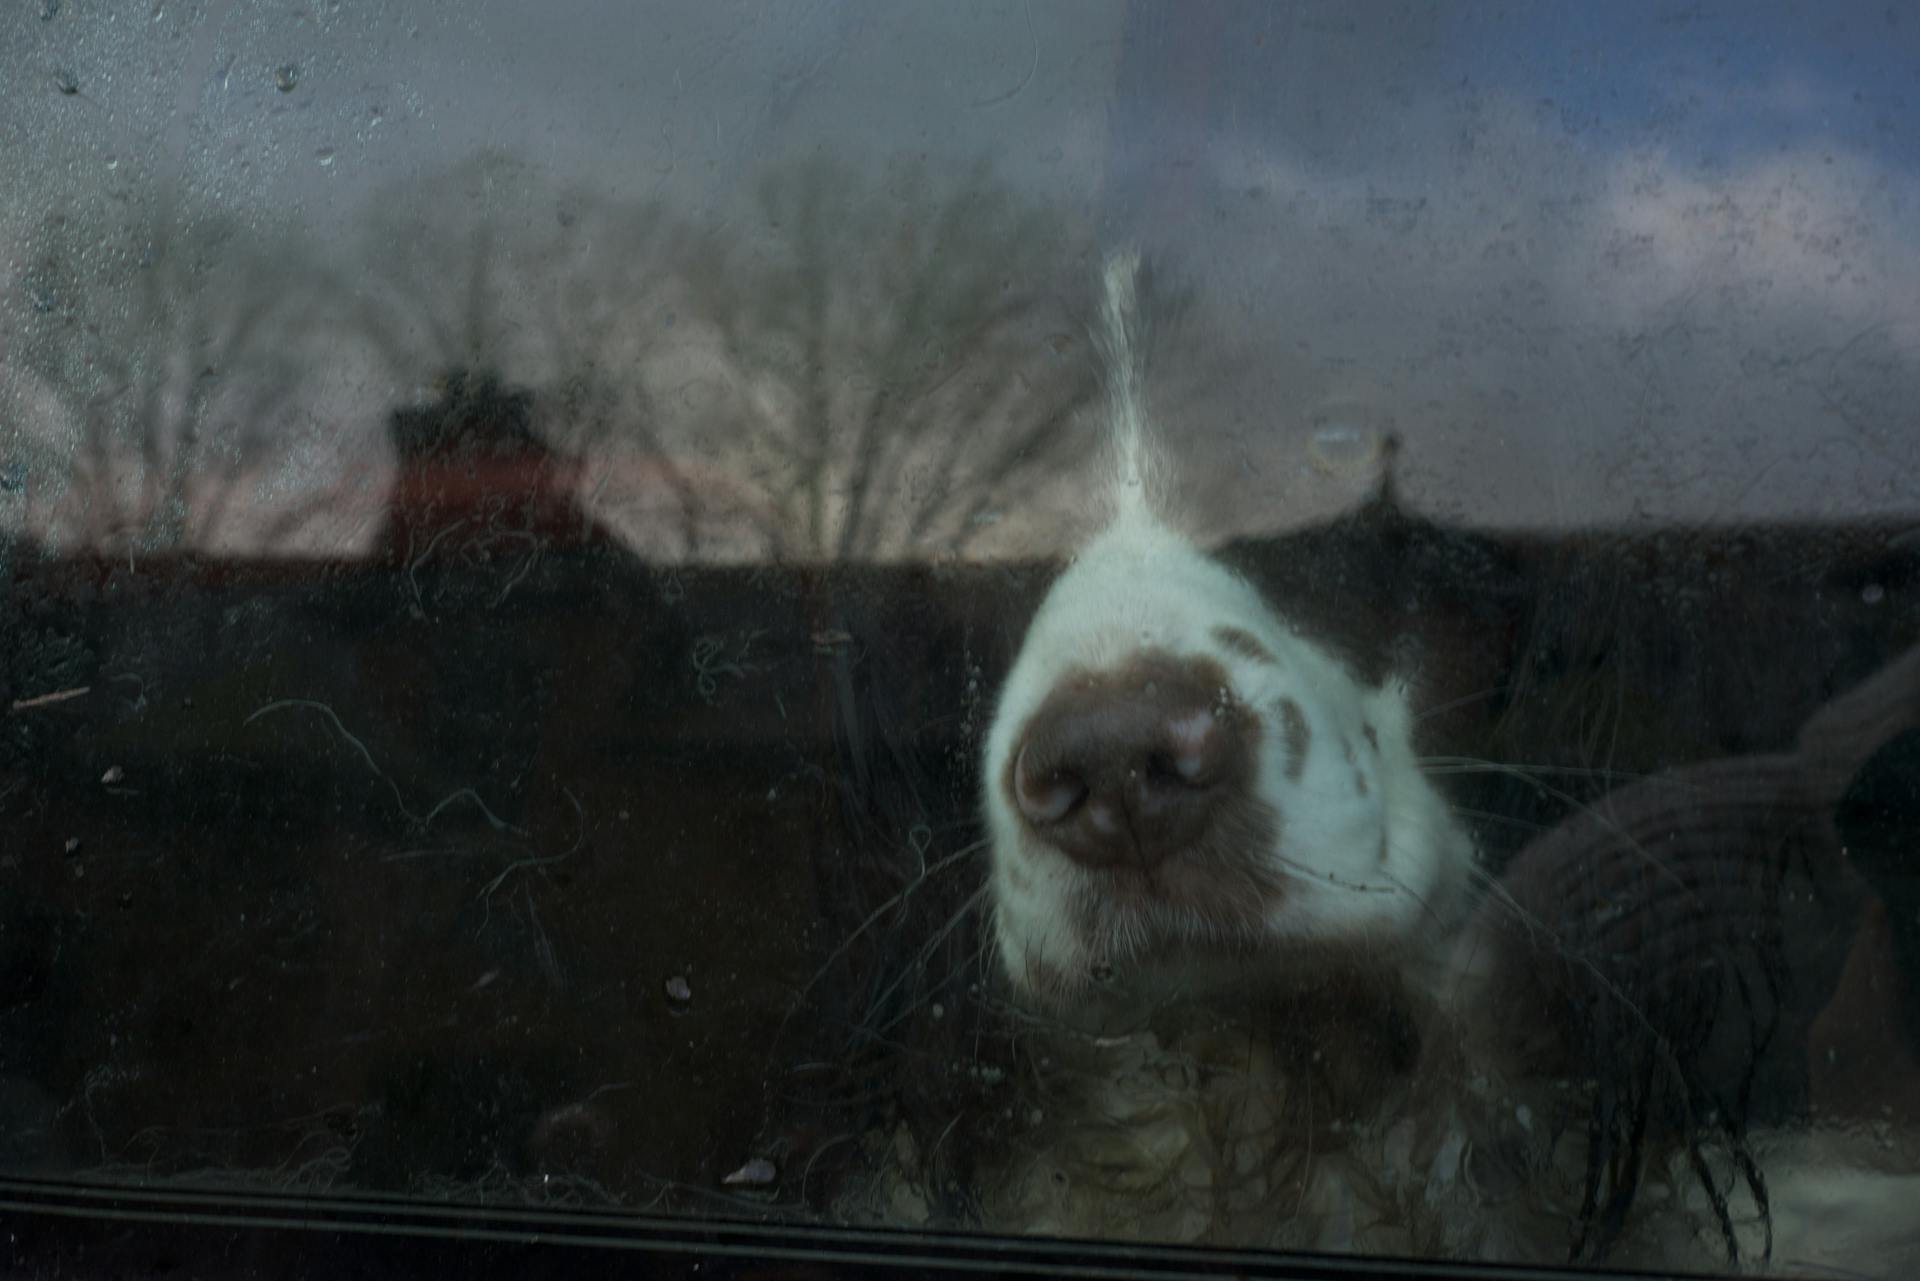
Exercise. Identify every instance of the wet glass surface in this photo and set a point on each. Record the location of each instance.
(516, 529)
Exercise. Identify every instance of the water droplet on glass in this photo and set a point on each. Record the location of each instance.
(679, 993)
(49, 9)
(325, 156)
(286, 76)
(66, 81)
(1343, 446)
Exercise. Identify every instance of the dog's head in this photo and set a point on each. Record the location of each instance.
(1173, 772)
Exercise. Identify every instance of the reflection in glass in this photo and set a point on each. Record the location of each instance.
(503, 664)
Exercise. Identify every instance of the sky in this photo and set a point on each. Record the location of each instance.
(1590, 263)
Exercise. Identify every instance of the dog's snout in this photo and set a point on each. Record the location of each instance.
(1128, 767)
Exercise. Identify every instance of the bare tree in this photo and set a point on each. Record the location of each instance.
(176, 346)
(909, 355)
(862, 369)
(448, 267)
(490, 267)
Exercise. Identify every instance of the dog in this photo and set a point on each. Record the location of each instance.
(1264, 974)
(1173, 769)
(1213, 859)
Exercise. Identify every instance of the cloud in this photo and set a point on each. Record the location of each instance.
(1564, 331)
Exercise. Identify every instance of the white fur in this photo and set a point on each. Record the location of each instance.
(1140, 586)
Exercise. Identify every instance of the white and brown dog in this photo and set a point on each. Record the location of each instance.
(1256, 952)
(1175, 772)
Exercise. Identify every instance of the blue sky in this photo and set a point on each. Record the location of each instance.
(1713, 84)
(1473, 220)
(1718, 82)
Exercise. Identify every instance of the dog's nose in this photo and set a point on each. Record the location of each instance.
(1129, 766)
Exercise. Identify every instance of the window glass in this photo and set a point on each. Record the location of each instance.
(640, 609)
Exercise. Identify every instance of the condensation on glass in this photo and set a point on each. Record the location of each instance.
(516, 525)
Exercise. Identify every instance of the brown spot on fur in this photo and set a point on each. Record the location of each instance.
(1244, 643)
(1299, 737)
(1222, 875)
(1092, 724)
